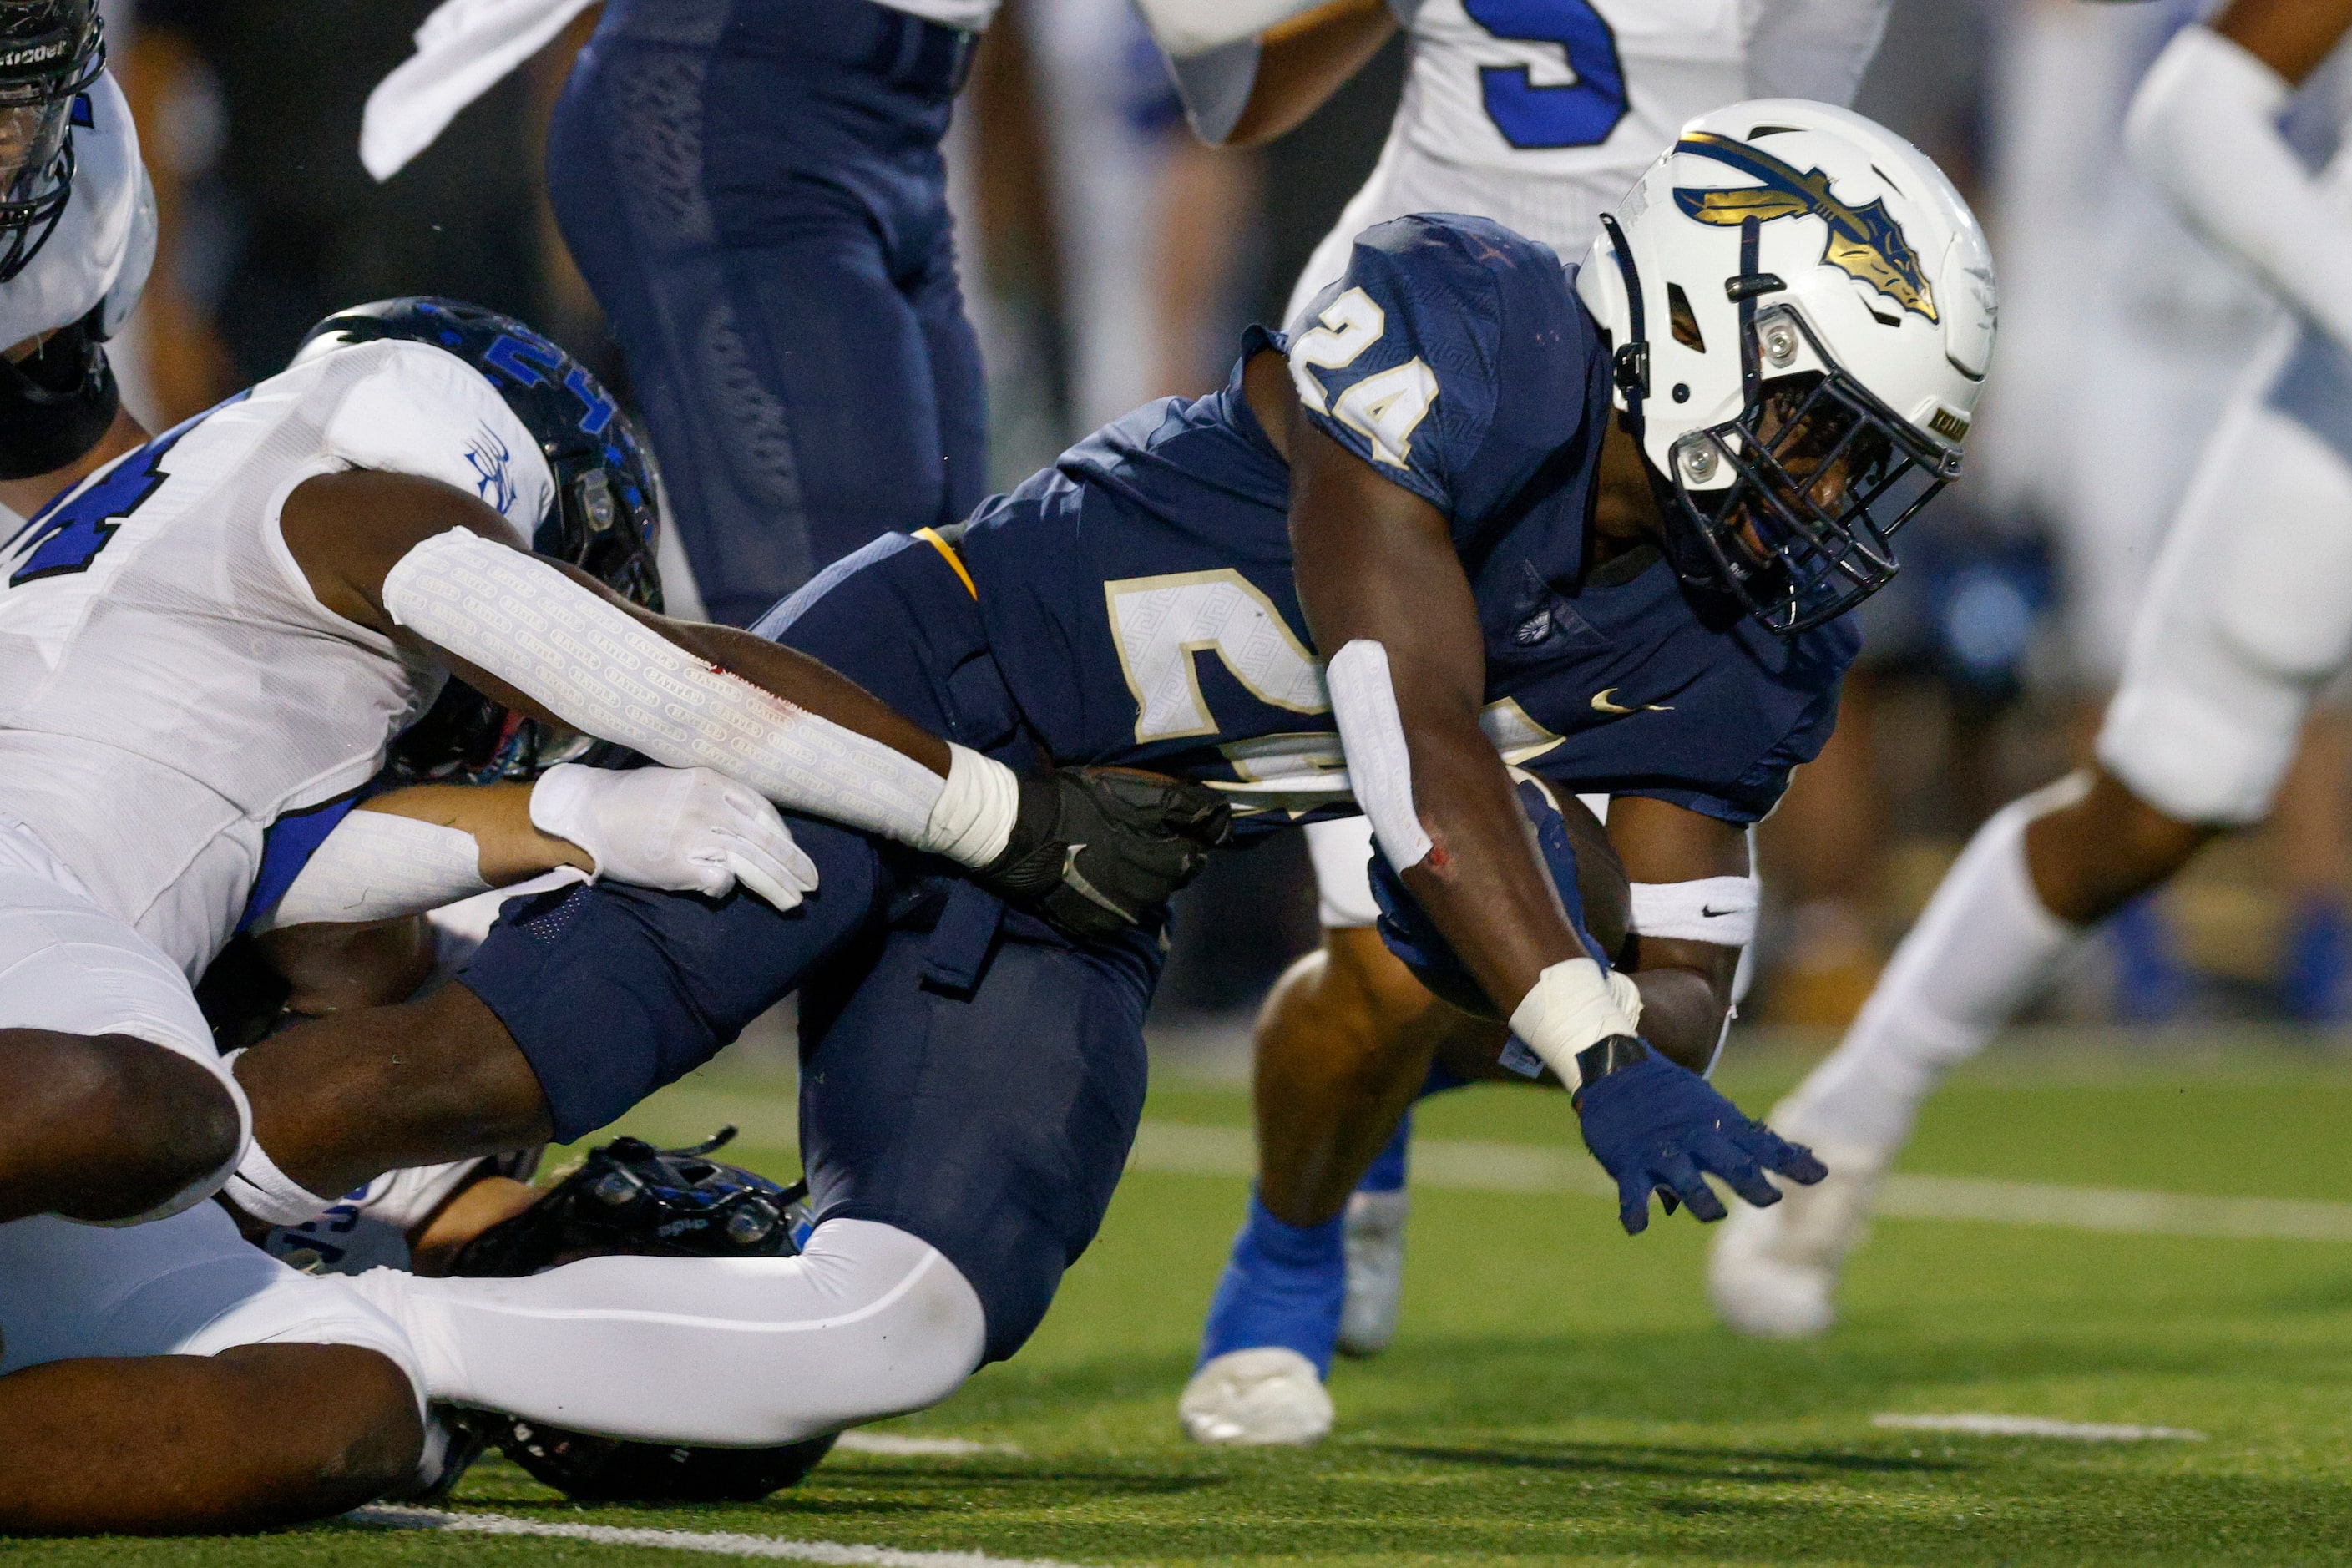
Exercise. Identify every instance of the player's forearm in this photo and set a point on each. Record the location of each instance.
(507, 846)
(686, 696)
(2203, 128)
(1479, 881)
(1300, 64)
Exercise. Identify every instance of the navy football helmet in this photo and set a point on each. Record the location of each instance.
(605, 517)
(50, 53)
(632, 1199)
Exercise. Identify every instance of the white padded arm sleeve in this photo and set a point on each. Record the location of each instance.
(2204, 129)
(1363, 703)
(606, 672)
(375, 866)
(1189, 28)
(1811, 49)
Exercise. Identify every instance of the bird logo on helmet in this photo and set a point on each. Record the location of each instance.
(50, 53)
(604, 517)
(1829, 307)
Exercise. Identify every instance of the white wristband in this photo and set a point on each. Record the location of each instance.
(1571, 1006)
(973, 819)
(1718, 910)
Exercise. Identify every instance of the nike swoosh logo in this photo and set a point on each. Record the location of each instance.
(1711, 913)
(1601, 704)
(1075, 881)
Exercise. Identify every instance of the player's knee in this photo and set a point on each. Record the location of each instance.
(2089, 858)
(107, 1127)
(922, 1326)
(1366, 976)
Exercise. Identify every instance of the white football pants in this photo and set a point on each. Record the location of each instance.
(737, 1352)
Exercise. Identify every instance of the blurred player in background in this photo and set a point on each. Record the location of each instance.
(757, 196)
(2248, 616)
(1539, 116)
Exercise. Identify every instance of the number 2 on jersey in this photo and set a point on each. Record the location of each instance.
(1580, 114)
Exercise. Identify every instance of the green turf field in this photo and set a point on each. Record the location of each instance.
(1560, 1394)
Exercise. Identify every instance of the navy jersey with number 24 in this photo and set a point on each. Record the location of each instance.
(1136, 601)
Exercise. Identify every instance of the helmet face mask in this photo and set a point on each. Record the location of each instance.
(50, 53)
(1821, 475)
(1830, 307)
(604, 517)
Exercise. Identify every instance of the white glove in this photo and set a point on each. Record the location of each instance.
(685, 830)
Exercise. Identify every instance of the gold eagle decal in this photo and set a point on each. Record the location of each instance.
(1864, 242)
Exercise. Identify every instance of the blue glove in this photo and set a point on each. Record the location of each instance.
(1657, 1126)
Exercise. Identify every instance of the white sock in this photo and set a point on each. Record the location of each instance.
(1982, 947)
(746, 1352)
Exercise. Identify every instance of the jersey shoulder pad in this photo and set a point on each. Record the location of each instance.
(412, 408)
(1450, 350)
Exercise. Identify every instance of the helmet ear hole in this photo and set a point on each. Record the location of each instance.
(1684, 321)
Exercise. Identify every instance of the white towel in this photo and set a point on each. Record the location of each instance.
(464, 50)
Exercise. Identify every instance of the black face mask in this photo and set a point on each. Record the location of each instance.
(49, 56)
(1823, 476)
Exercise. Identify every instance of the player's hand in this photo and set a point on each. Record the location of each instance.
(1657, 1126)
(1095, 850)
(684, 830)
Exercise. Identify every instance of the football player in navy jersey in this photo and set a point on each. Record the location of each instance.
(1478, 508)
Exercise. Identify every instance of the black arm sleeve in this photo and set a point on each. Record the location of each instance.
(56, 403)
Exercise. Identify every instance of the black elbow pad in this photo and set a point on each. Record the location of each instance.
(56, 402)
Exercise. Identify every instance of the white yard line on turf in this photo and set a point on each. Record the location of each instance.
(893, 1444)
(721, 1543)
(2036, 1426)
(1474, 1165)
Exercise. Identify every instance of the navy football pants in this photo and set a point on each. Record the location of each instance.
(967, 1075)
(755, 191)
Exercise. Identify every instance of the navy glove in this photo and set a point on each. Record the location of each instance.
(1657, 1126)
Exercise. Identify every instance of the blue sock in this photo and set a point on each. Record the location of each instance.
(1387, 1171)
(2316, 982)
(1283, 1286)
(2151, 984)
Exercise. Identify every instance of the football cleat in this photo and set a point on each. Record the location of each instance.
(1266, 1398)
(1367, 1321)
(1772, 1272)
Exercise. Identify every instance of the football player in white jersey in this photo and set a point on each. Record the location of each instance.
(1538, 113)
(2248, 617)
(208, 650)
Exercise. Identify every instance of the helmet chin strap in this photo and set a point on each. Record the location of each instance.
(1631, 366)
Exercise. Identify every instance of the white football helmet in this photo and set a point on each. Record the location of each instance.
(1803, 312)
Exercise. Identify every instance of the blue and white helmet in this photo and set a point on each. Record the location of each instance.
(1804, 310)
(603, 514)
